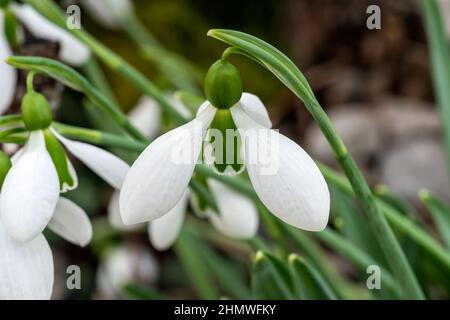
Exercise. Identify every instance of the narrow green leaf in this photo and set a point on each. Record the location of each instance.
(139, 292)
(271, 278)
(359, 258)
(196, 269)
(440, 213)
(308, 282)
(352, 223)
(229, 278)
(440, 60)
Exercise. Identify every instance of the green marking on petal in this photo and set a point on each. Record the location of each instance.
(66, 174)
(222, 148)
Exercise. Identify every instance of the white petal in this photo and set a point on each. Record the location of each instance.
(8, 74)
(237, 217)
(26, 269)
(203, 107)
(284, 176)
(30, 191)
(114, 216)
(71, 223)
(107, 166)
(146, 116)
(159, 177)
(109, 12)
(72, 50)
(164, 231)
(255, 109)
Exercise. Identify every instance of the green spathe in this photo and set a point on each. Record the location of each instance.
(36, 111)
(223, 85)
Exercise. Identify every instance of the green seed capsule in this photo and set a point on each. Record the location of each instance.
(223, 86)
(5, 165)
(36, 112)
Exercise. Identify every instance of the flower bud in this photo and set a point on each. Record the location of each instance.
(5, 165)
(36, 112)
(223, 86)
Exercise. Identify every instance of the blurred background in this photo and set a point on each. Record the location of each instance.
(375, 85)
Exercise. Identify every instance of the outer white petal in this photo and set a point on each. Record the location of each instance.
(71, 223)
(109, 167)
(114, 216)
(146, 116)
(237, 217)
(8, 76)
(159, 177)
(30, 191)
(255, 109)
(203, 107)
(288, 182)
(108, 12)
(26, 269)
(72, 50)
(164, 231)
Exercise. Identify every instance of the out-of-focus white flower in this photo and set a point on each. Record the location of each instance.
(8, 76)
(26, 269)
(30, 192)
(72, 51)
(127, 263)
(147, 115)
(296, 191)
(109, 13)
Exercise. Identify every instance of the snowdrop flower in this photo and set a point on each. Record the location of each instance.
(288, 182)
(110, 13)
(127, 263)
(8, 74)
(72, 50)
(27, 268)
(29, 197)
(237, 216)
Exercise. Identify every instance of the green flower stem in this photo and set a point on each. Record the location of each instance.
(99, 137)
(358, 257)
(440, 61)
(399, 221)
(50, 10)
(10, 119)
(95, 74)
(30, 78)
(288, 73)
(177, 70)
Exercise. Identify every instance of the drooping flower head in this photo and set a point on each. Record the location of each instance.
(231, 133)
(41, 170)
